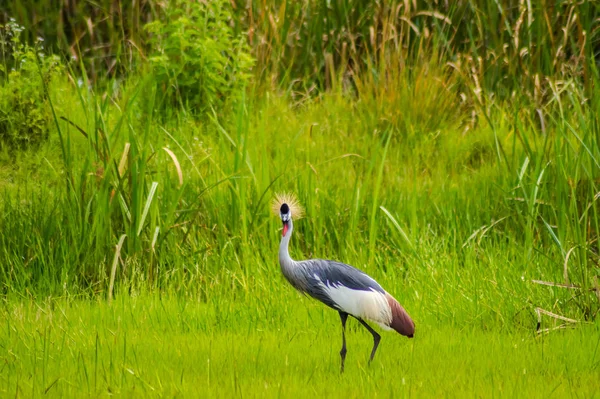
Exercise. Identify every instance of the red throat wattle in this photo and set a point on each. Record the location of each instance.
(285, 229)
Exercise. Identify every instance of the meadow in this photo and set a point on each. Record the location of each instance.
(167, 346)
(451, 152)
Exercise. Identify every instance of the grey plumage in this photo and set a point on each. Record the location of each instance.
(309, 277)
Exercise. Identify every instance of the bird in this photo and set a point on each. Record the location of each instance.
(342, 287)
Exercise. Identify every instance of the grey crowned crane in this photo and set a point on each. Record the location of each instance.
(338, 285)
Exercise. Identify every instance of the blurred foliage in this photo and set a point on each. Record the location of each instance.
(197, 58)
(497, 46)
(24, 72)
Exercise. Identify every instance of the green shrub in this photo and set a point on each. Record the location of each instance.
(197, 58)
(24, 109)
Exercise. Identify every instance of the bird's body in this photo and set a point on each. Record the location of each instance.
(347, 289)
(343, 288)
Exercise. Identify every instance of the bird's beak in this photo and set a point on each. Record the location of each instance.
(285, 229)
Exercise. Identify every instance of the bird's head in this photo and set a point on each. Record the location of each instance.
(285, 212)
(285, 205)
(286, 215)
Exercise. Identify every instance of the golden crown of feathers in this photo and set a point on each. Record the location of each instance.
(291, 200)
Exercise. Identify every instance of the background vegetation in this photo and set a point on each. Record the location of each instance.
(449, 149)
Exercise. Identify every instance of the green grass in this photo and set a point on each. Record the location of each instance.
(453, 154)
(150, 345)
(455, 225)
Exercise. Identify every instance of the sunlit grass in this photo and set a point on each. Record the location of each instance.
(152, 345)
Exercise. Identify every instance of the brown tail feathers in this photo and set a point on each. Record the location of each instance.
(401, 321)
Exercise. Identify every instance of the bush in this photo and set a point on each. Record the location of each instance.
(24, 108)
(197, 58)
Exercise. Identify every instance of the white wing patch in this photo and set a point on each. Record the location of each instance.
(370, 305)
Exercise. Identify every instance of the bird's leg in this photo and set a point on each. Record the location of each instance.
(343, 317)
(376, 338)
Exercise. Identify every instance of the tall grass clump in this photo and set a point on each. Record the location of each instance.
(499, 46)
(116, 205)
(555, 199)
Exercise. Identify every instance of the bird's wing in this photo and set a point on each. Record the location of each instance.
(320, 273)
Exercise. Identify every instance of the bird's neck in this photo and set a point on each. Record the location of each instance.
(285, 260)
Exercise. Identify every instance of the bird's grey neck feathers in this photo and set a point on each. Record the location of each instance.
(293, 271)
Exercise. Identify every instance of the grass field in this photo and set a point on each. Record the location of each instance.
(450, 151)
(167, 346)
